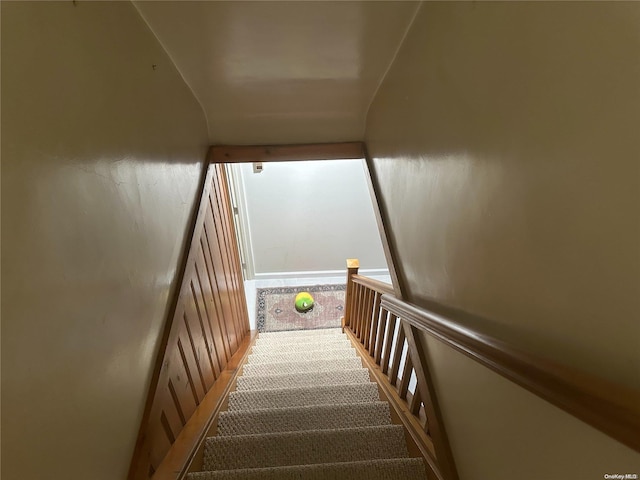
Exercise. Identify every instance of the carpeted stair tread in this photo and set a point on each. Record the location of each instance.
(316, 417)
(386, 469)
(277, 357)
(301, 347)
(303, 448)
(280, 368)
(303, 396)
(302, 333)
(300, 339)
(336, 377)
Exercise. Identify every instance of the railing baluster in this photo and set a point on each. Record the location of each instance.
(397, 354)
(367, 317)
(407, 370)
(391, 328)
(416, 402)
(374, 322)
(358, 310)
(380, 334)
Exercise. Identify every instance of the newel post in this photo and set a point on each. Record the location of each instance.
(352, 269)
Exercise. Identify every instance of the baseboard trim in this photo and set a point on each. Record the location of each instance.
(318, 274)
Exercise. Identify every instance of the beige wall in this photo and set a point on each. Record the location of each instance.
(101, 160)
(506, 139)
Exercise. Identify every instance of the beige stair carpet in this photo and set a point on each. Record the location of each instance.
(305, 409)
(280, 368)
(301, 396)
(387, 469)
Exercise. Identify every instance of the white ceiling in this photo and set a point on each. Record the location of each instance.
(281, 72)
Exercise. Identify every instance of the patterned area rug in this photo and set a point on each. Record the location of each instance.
(276, 311)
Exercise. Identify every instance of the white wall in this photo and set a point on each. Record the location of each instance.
(102, 156)
(307, 218)
(511, 130)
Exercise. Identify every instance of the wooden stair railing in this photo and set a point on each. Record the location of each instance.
(203, 344)
(386, 343)
(386, 328)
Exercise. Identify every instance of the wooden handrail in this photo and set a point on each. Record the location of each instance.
(373, 284)
(611, 408)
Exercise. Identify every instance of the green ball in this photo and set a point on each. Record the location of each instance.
(304, 302)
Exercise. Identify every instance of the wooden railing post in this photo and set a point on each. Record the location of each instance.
(352, 269)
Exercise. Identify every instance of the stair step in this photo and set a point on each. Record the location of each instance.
(302, 333)
(304, 448)
(316, 417)
(297, 356)
(283, 347)
(281, 368)
(301, 339)
(387, 469)
(303, 396)
(337, 377)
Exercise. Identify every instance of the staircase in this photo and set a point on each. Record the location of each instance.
(305, 408)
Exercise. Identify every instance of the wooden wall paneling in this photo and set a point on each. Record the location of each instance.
(218, 326)
(211, 315)
(239, 279)
(158, 445)
(198, 346)
(200, 315)
(184, 348)
(207, 323)
(225, 277)
(231, 247)
(179, 387)
(210, 240)
(221, 280)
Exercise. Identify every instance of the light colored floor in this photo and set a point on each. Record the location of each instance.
(250, 287)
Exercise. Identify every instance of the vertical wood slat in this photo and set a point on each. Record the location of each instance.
(416, 402)
(366, 316)
(397, 355)
(407, 370)
(382, 324)
(391, 328)
(363, 309)
(358, 311)
(374, 323)
(208, 322)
